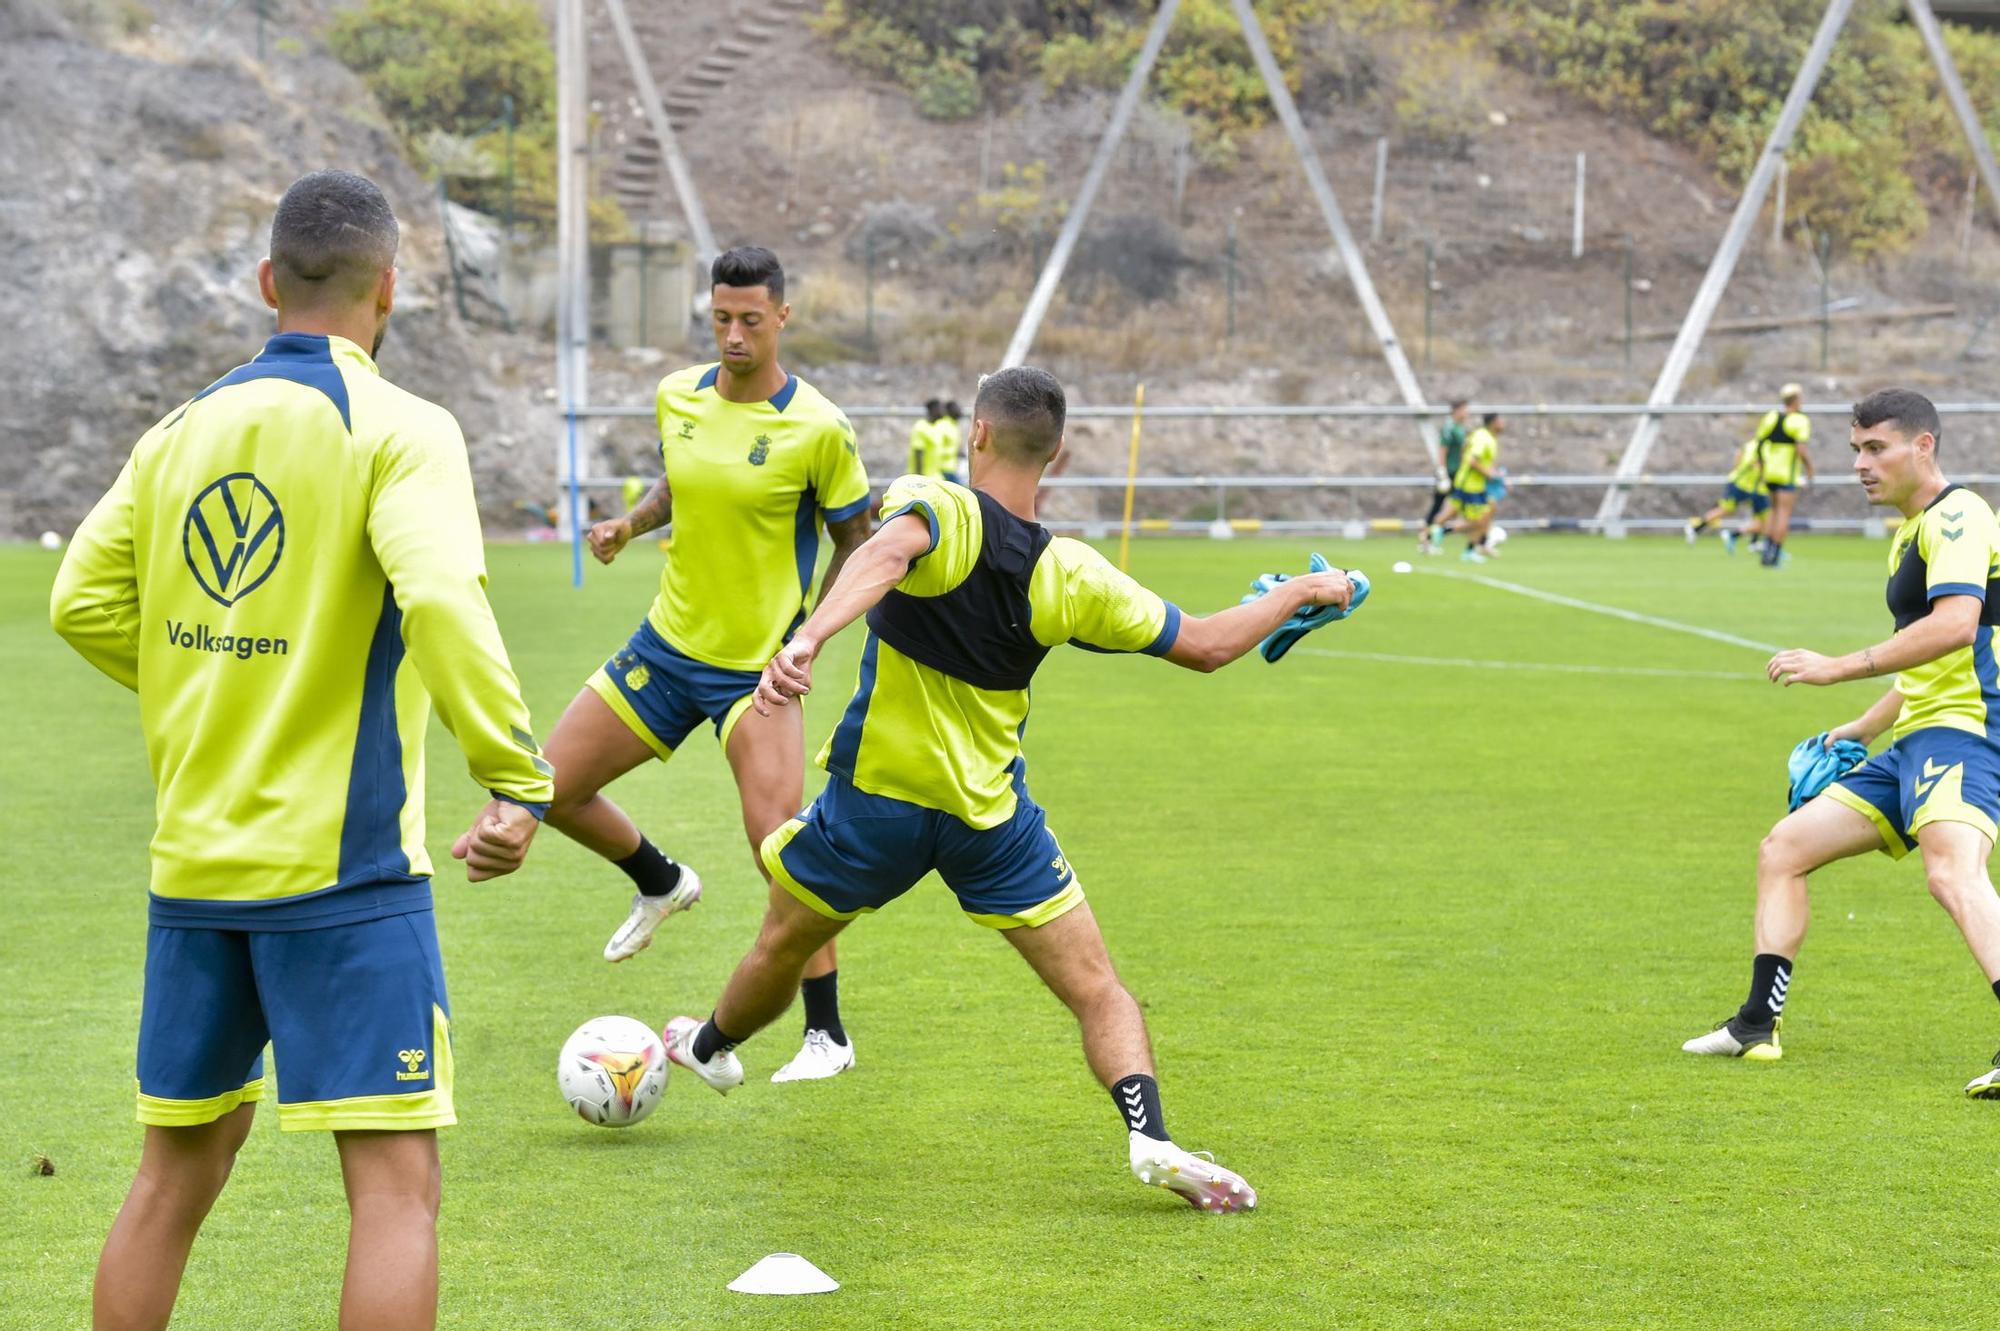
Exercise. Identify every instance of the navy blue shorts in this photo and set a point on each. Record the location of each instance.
(355, 1015)
(1735, 495)
(1933, 775)
(851, 852)
(663, 694)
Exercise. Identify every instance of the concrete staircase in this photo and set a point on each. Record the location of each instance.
(637, 167)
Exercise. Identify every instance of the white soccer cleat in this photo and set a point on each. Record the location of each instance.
(1205, 1185)
(636, 934)
(1732, 1040)
(1986, 1086)
(724, 1071)
(1690, 531)
(819, 1058)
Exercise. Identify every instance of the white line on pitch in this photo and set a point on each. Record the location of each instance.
(1466, 662)
(1714, 635)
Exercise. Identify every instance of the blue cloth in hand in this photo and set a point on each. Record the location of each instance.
(1287, 634)
(1814, 765)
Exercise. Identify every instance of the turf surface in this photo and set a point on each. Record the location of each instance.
(1418, 942)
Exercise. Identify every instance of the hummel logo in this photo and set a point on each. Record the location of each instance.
(1951, 533)
(412, 1059)
(1952, 517)
(1931, 774)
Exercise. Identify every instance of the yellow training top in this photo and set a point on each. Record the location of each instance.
(289, 571)
(1952, 548)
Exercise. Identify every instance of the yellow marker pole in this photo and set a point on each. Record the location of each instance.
(1131, 477)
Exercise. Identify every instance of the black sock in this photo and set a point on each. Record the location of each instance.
(709, 1040)
(652, 872)
(1138, 1099)
(1699, 524)
(1770, 978)
(1772, 549)
(822, 996)
(1996, 988)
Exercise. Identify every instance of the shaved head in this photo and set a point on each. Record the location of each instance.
(333, 238)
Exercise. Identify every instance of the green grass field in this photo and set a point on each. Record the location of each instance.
(1418, 942)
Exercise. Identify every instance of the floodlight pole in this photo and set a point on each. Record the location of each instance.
(572, 262)
(1954, 91)
(1343, 239)
(1093, 180)
(1709, 294)
(663, 131)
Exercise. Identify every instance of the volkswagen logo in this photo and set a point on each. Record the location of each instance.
(233, 536)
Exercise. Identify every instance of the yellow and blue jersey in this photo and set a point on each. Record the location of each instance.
(942, 459)
(921, 447)
(1482, 449)
(915, 733)
(751, 482)
(289, 571)
(1748, 473)
(1952, 548)
(1778, 436)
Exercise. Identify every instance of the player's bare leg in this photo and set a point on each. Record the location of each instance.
(591, 748)
(181, 1173)
(1778, 525)
(1817, 834)
(767, 754)
(1069, 954)
(757, 994)
(393, 1188)
(1955, 857)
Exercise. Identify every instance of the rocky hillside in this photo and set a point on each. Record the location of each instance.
(140, 169)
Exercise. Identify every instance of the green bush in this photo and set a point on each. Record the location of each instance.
(946, 89)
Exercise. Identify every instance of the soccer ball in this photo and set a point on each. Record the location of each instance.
(612, 1071)
(1497, 536)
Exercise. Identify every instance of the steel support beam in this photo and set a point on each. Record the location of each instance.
(1343, 239)
(1954, 91)
(1709, 294)
(1093, 180)
(663, 131)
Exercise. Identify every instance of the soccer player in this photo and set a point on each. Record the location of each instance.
(755, 459)
(964, 595)
(1450, 453)
(1781, 440)
(1936, 788)
(945, 441)
(1745, 486)
(288, 570)
(1473, 489)
(922, 441)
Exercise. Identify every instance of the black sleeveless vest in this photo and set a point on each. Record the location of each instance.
(978, 631)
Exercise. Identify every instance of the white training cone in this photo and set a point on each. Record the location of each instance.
(784, 1273)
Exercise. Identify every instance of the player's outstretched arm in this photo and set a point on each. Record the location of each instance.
(95, 602)
(1209, 642)
(1952, 624)
(882, 561)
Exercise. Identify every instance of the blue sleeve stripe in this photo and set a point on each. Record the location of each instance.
(916, 505)
(1956, 589)
(1169, 632)
(846, 511)
(540, 811)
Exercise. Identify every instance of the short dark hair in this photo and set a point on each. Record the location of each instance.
(933, 408)
(1457, 402)
(951, 409)
(333, 236)
(1910, 412)
(1489, 418)
(1024, 410)
(749, 266)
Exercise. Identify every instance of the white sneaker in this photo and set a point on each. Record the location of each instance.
(1731, 1040)
(1986, 1086)
(636, 934)
(1206, 1185)
(819, 1058)
(724, 1072)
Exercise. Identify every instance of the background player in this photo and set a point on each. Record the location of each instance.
(1450, 453)
(965, 595)
(1781, 438)
(945, 442)
(923, 438)
(1474, 490)
(1936, 789)
(754, 458)
(283, 570)
(1744, 488)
